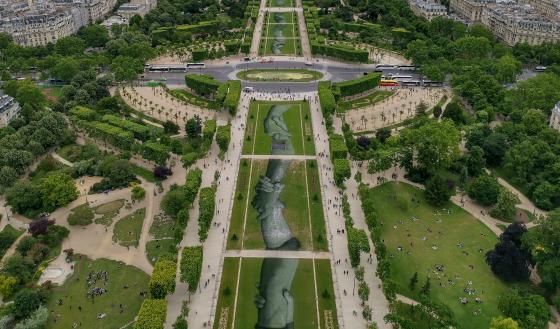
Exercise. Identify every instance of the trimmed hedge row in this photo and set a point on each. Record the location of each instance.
(106, 132)
(140, 132)
(337, 146)
(202, 84)
(344, 53)
(357, 242)
(191, 266)
(209, 129)
(233, 95)
(162, 281)
(223, 136)
(342, 171)
(155, 151)
(206, 206)
(83, 113)
(152, 314)
(357, 86)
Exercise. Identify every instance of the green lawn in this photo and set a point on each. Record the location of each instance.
(284, 75)
(81, 215)
(158, 248)
(455, 240)
(9, 235)
(73, 296)
(162, 227)
(296, 212)
(303, 291)
(369, 100)
(184, 95)
(297, 118)
(327, 302)
(128, 229)
(108, 211)
(148, 175)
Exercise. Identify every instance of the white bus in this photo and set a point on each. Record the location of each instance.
(159, 69)
(406, 67)
(196, 65)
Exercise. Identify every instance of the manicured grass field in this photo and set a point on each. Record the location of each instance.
(286, 75)
(369, 100)
(109, 211)
(158, 248)
(303, 290)
(162, 227)
(128, 229)
(73, 296)
(296, 212)
(297, 120)
(143, 172)
(447, 236)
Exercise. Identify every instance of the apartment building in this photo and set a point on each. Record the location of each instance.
(555, 117)
(136, 7)
(548, 8)
(469, 10)
(9, 109)
(428, 10)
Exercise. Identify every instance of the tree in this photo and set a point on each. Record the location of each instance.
(37, 319)
(363, 291)
(413, 281)
(544, 195)
(7, 284)
(494, 147)
(162, 281)
(69, 46)
(426, 287)
(162, 172)
(475, 161)
(29, 94)
(24, 196)
(530, 311)
(382, 134)
(507, 68)
(454, 111)
(152, 314)
(193, 127)
(26, 302)
(484, 189)
(58, 190)
(94, 35)
(8, 176)
(508, 260)
(503, 323)
(138, 193)
(437, 190)
(65, 69)
(169, 127)
(505, 207)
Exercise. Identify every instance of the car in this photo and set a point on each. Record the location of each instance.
(248, 89)
(308, 63)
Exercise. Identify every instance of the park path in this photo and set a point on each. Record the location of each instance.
(305, 254)
(255, 42)
(305, 45)
(60, 159)
(279, 157)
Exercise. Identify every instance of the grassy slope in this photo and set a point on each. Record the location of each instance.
(447, 231)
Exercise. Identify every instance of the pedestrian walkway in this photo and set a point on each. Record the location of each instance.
(278, 157)
(277, 254)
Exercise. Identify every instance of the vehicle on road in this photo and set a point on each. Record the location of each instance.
(248, 89)
(389, 83)
(540, 68)
(196, 65)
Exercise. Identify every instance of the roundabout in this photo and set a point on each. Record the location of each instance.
(279, 75)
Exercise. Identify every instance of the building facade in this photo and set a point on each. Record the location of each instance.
(555, 117)
(39, 22)
(548, 8)
(426, 9)
(469, 10)
(136, 7)
(512, 23)
(9, 109)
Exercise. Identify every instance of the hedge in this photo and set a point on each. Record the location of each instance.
(341, 171)
(326, 98)
(152, 314)
(162, 281)
(140, 132)
(337, 146)
(206, 206)
(223, 137)
(209, 129)
(246, 46)
(233, 95)
(111, 134)
(83, 113)
(357, 86)
(199, 54)
(156, 152)
(202, 84)
(344, 53)
(232, 46)
(191, 266)
(192, 184)
(357, 242)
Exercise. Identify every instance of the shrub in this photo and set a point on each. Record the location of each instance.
(191, 266)
(357, 242)
(223, 137)
(207, 205)
(162, 281)
(326, 98)
(152, 314)
(357, 86)
(341, 171)
(344, 53)
(202, 84)
(338, 147)
(233, 95)
(484, 189)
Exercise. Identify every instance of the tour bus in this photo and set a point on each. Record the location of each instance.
(410, 83)
(389, 83)
(429, 83)
(384, 66)
(406, 67)
(401, 77)
(180, 68)
(158, 69)
(196, 65)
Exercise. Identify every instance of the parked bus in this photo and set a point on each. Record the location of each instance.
(389, 83)
(410, 83)
(406, 67)
(177, 69)
(429, 83)
(401, 77)
(384, 66)
(196, 65)
(158, 69)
